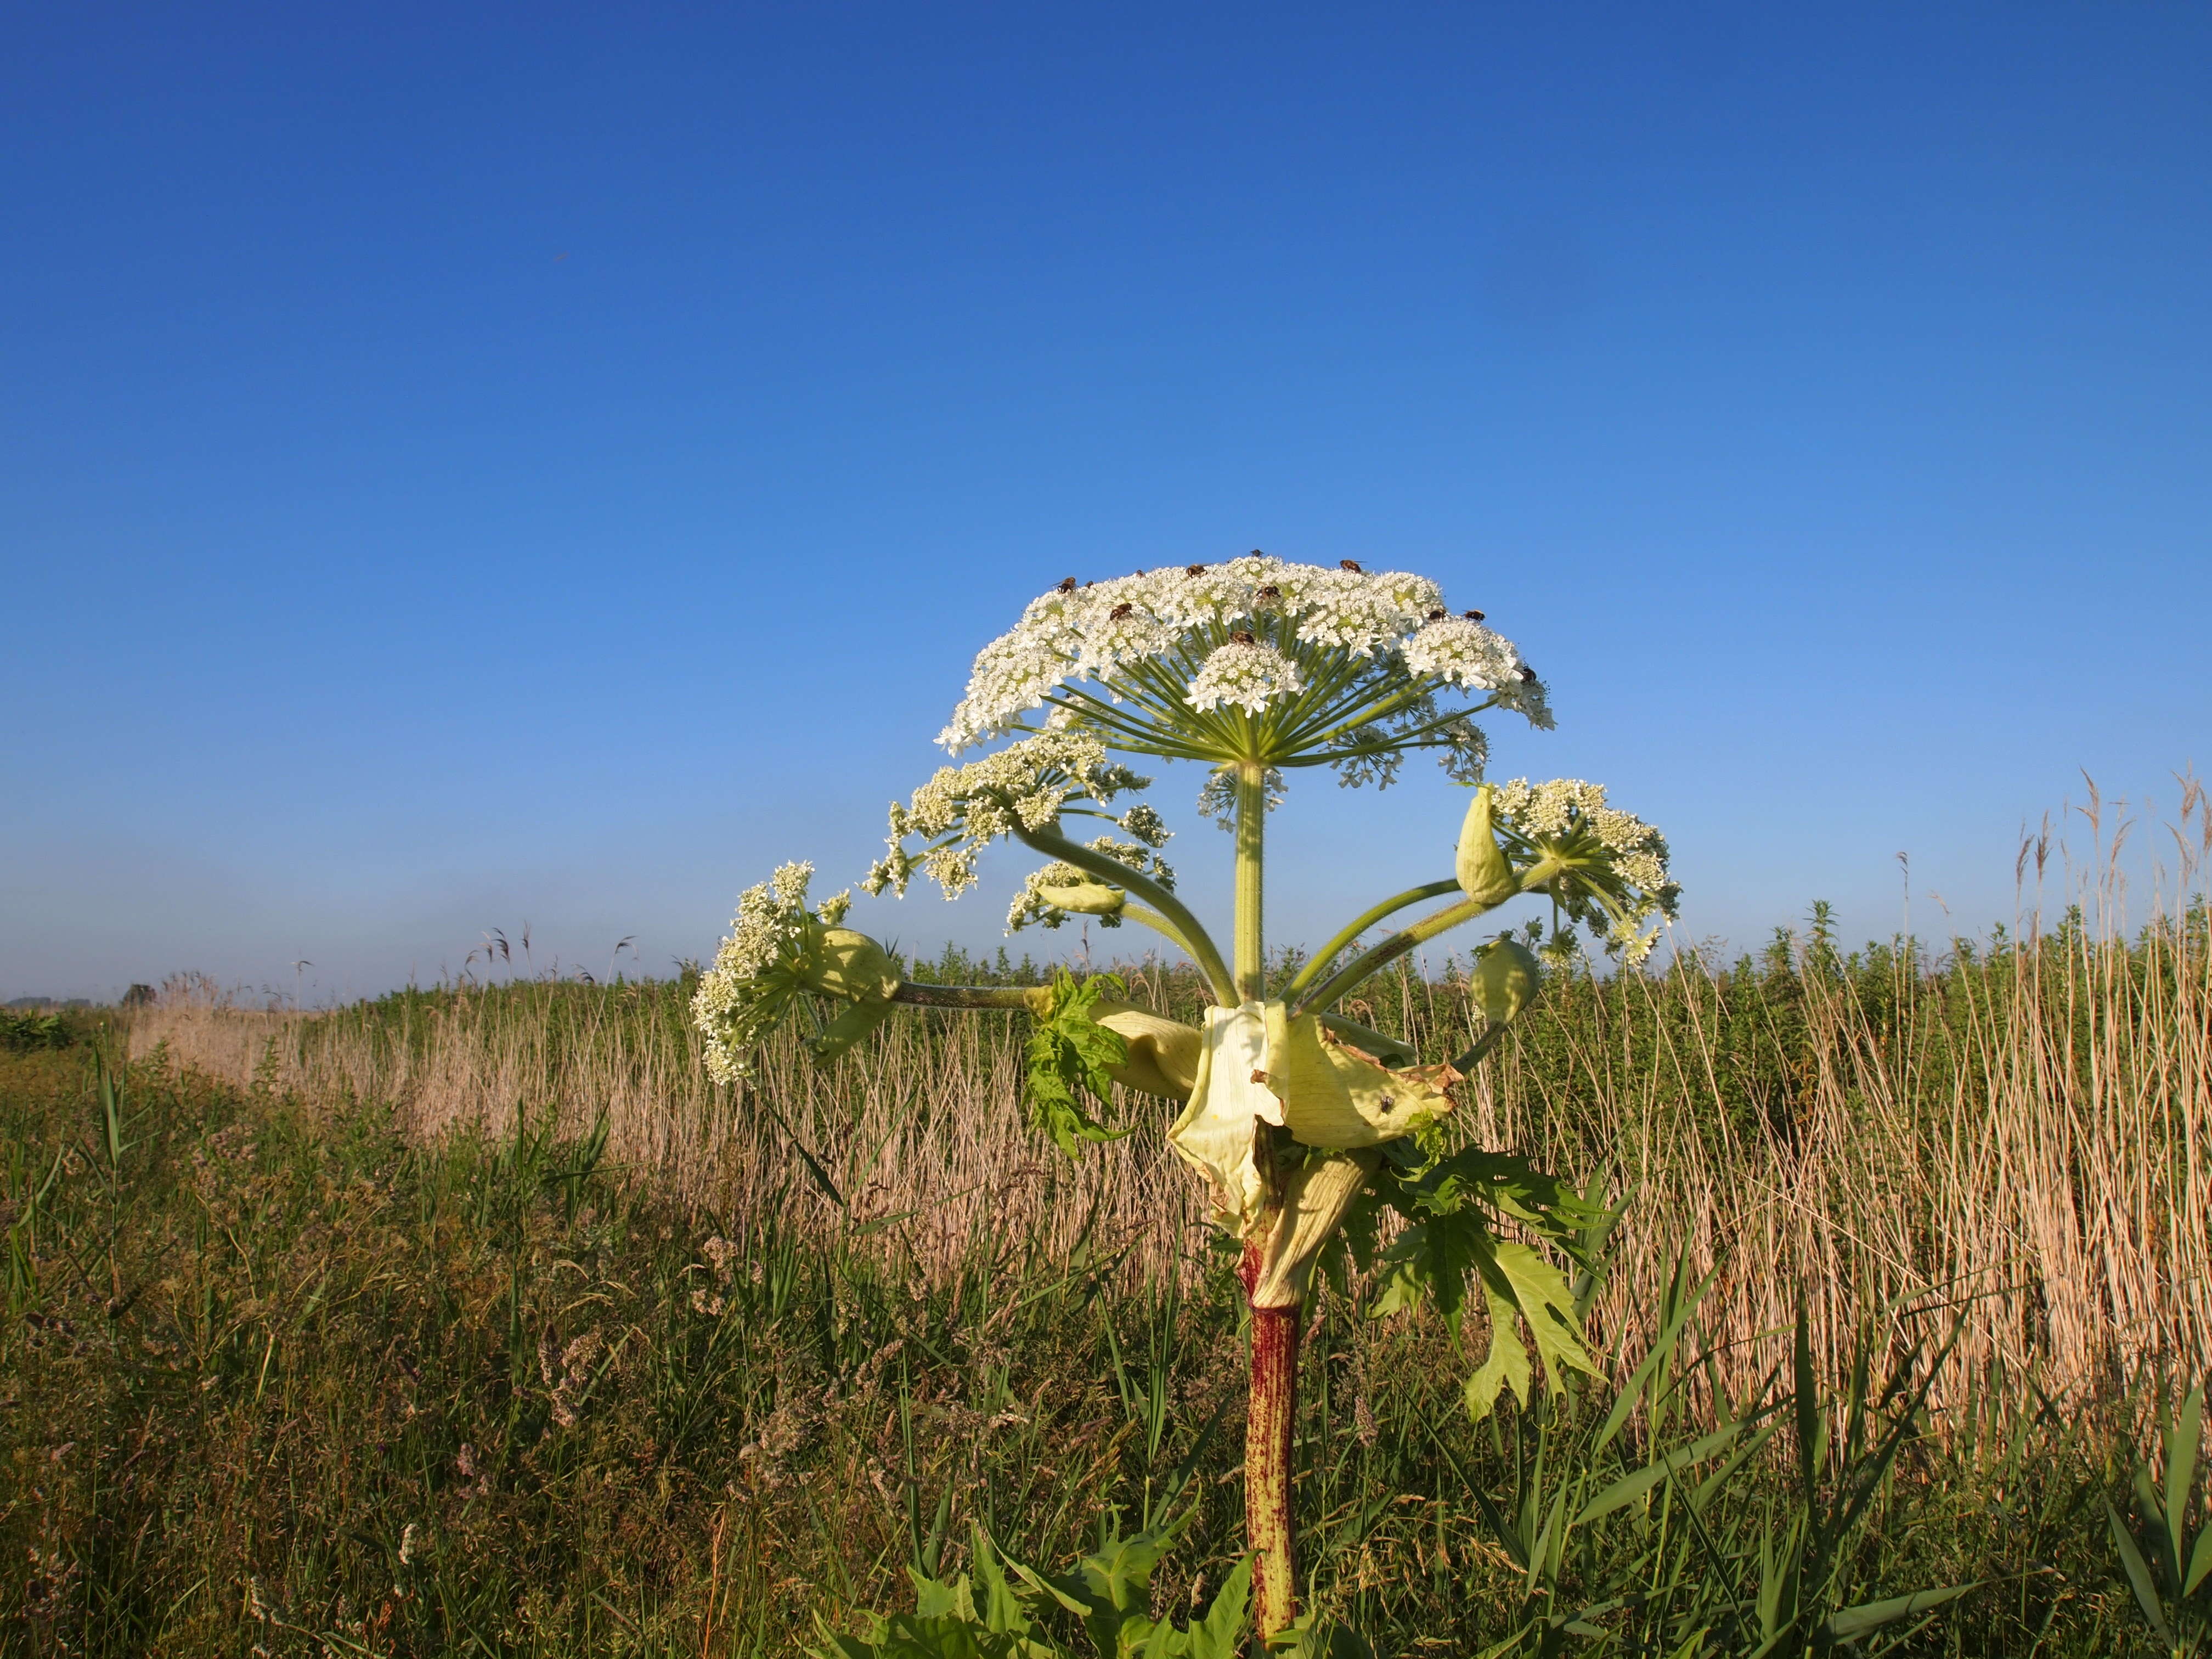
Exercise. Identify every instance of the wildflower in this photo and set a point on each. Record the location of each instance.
(1026, 786)
(1343, 664)
(1602, 866)
(1289, 1112)
(1247, 675)
(778, 953)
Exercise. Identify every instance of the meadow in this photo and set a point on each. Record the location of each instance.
(476, 1320)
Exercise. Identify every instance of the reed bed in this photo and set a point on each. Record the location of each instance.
(2014, 1131)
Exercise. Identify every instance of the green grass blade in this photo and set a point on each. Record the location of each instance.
(2181, 1447)
(2138, 1571)
(1854, 1622)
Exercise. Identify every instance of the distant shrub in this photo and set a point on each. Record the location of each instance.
(25, 1033)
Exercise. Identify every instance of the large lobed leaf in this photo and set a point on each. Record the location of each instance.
(1451, 1249)
(1070, 1054)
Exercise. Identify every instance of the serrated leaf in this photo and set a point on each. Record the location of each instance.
(1067, 1051)
(1432, 1260)
(933, 1599)
(1002, 1608)
(1220, 1634)
(1548, 1307)
(1506, 1366)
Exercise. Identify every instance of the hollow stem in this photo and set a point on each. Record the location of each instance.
(1270, 1417)
(1467, 1061)
(1358, 925)
(1194, 937)
(1251, 837)
(1160, 925)
(1347, 978)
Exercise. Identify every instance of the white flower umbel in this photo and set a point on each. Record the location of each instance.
(1604, 867)
(1247, 674)
(962, 809)
(761, 969)
(1257, 660)
(1251, 667)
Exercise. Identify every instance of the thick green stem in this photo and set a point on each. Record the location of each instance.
(1194, 938)
(1467, 1061)
(1271, 1415)
(1346, 979)
(1160, 925)
(962, 996)
(1251, 837)
(1358, 925)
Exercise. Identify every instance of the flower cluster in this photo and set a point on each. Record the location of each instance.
(1039, 900)
(1027, 784)
(1606, 868)
(1247, 674)
(1217, 796)
(1375, 751)
(1253, 633)
(762, 967)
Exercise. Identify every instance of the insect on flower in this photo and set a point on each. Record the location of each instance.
(1194, 570)
(1241, 636)
(1122, 609)
(1472, 616)
(1353, 565)
(1068, 584)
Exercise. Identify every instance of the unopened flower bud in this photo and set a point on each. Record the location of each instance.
(1090, 898)
(1484, 874)
(853, 967)
(1505, 981)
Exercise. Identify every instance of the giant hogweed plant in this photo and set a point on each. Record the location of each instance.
(1304, 1125)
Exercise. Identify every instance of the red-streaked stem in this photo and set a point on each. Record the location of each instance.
(1272, 1412)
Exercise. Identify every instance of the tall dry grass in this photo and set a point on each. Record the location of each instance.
(2014, 1134)
(918, 1141)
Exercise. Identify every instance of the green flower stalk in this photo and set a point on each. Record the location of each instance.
(1303, 1126)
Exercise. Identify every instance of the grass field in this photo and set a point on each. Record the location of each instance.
(475, 1320)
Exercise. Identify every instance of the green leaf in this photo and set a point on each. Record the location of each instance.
(2200, 1562)
(2181, 1447)
(1220, 1634)
(1002, 1607)
(934, 1600)
(1432, 1260)
(1068, 1052)
(1506, 1367)
(1547, 1307)
(1629, 1488)
(2138, 1571)
(1856, 1621)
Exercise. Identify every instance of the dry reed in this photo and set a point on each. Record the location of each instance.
(2017, 1135)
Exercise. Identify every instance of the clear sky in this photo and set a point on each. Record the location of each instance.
(463, 466)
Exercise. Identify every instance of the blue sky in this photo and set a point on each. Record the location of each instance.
(462, 466)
